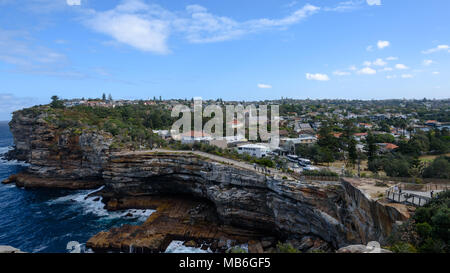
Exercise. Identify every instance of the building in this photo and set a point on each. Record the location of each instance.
(387, 147)
(360, 136)
(164, 134)
(256, 150)
(194, 136)
(432, 123)
(304, 128)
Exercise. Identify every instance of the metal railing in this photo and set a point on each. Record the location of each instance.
(407, 198)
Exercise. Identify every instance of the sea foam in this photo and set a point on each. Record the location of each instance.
(94, 205)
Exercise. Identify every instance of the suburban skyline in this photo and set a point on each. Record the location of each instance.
(234, 50)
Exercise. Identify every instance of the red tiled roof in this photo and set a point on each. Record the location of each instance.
(390, 146)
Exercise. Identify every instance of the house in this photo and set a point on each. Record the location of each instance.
(72, 103)
(235, 124)
(284, 133)
(360, 136)
(365, 125)
(302, 139)
(387, 147)
(164, 134)
(433, 123)
(256, 150)
(304, 128)
(195, 136)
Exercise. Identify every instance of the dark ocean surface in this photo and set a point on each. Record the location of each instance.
(47, 220)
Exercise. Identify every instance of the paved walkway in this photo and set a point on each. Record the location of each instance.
(417, 198)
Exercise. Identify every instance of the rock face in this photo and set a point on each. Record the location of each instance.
(9, 249)
(362, 249)
(176, 218)
(56, 152)
(333, 212)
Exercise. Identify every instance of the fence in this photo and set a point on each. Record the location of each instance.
(407, 198)
(415, 180)
(314, 178)
(423, 187)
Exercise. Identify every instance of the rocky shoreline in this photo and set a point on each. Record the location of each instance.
(237, 205)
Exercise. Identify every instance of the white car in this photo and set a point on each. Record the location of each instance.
(310, 168)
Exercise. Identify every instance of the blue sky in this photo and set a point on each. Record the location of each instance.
(230, 49)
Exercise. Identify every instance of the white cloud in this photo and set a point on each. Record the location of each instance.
(389, 77)
(367, 63)
(341, 73)
(17, 51)
(264, 86)
(407, 76)
(436, 73)
(148, 27)
(391, 58)
(73, 2)
(205, 27)
(428, 62)
(387, 69)
(317, 77)
(367, 71)
(379, 62)
(353, 68)
(437, 49)
(383, 44)
(369, 48)
(344, 6)
(10, 103)
(374, 2)
(130, 23)
(401, 66)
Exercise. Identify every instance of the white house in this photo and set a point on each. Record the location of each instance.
(193, 137)
(256, 150)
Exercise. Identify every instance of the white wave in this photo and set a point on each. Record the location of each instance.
(94, 205)
(13, 163)
(178, 247)
(4, 150)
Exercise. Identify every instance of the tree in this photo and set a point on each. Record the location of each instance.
(439, 168)
(110, 98)
(396, 168)
(349, 141)
(103, 97)
(352, 151)
(372, 147)
(56, 102)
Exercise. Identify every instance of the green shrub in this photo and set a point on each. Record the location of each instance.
(286, 248)
(322, 172)
(237, 249)
(403, 247)
(424, 229)
(432, 246)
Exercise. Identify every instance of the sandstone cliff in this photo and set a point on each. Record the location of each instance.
(57, 152)
(335, 212)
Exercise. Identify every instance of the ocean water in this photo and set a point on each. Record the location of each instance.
(51, 221)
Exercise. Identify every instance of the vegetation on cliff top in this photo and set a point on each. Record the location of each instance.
(131, 125)
(428, 231)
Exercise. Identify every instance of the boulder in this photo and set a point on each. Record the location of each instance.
(9, 249)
